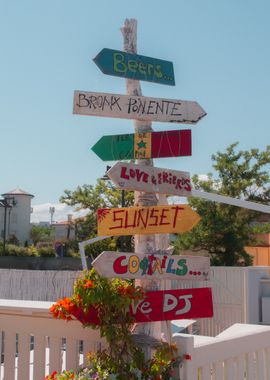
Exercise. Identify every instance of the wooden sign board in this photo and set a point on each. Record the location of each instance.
(144, 145)
(134, 66)
(164, 305)
(158, 267)
(149, 179)
(137, 107)
(146, 220)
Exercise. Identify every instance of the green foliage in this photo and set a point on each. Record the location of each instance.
(261, 228)
(122, 359)
(14, 250)
(46, 252)
(225, 230)
(91, 198)
(40, 233)
(103, 195)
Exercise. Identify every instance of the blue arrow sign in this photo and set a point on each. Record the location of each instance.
(134, 66)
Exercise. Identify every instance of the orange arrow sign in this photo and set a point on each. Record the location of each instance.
(146, 220)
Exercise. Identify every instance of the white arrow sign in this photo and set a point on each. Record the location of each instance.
(137, 107)
(231, 201)
(128, 176)
(134, 265)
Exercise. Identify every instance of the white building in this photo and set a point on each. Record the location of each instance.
(17, 220)
(64, 229)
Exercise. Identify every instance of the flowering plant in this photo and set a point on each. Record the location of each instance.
(104, 304)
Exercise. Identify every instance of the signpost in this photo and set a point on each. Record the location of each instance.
(144, 266)
(136, 107)
(134, 66)
(144, 145)
(146, 220)
(165, 305)
(150, 179)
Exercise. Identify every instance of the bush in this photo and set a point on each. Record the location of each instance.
(46, 252)
(14, 250)
(71, 253)
(100, 303)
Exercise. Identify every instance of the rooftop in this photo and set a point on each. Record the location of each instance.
(18, 191)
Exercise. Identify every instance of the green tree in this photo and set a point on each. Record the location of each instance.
(225, 230)
(91, 198)
(40, 233)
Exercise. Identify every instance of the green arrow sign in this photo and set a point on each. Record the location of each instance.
(144, 145)
(115, 147)
(134, 66)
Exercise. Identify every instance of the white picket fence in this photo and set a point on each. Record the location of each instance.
(240, 353)
(237, 293)
(33, 343)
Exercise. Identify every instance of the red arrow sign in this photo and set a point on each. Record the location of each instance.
(164, 305)
(167, 305)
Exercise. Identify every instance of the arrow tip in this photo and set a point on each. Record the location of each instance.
(98, 60)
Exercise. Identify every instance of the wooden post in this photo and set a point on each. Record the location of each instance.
(143, 243)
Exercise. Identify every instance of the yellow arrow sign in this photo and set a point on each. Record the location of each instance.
(146, 220)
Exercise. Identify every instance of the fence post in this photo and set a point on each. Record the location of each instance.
(185, 347)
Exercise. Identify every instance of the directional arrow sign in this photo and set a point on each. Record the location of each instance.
(158, 267)
(163, 305)
(146, 220)
(134, 66)
(144, 145)
(150, 179)
(136, 107)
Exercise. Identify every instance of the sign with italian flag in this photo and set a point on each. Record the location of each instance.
(144, 145)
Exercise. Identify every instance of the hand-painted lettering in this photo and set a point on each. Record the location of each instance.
(134, 264)
(115, 219)
(118, 267)
(123, 64)
(118, 63)
(182, 271)
(177, 209)
(164, 216)
(152, 265)
(187, 305)
(170, 303)
(102, 102)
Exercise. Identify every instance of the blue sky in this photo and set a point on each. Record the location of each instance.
(221, 55)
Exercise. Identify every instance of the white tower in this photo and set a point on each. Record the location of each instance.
(18, 216)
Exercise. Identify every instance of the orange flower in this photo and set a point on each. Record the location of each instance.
(52, 376)
(63, 308)
(88, 284)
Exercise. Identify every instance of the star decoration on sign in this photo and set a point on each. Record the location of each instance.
(141, 144)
